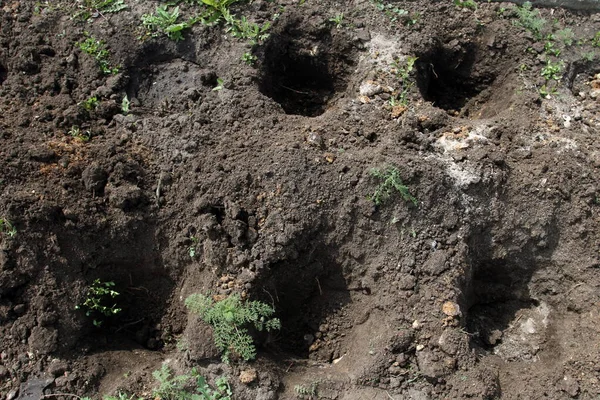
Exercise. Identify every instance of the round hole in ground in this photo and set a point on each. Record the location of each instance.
(304, 296)
(304, 73)
(449, 75)
(497, 292)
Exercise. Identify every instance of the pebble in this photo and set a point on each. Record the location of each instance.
(248, 376)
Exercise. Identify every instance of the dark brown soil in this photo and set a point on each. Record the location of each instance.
(487, 288)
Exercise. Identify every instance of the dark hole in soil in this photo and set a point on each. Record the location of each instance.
(3, 74)
(498, 291)
(304, 296)
(445, 76)
(303, 76)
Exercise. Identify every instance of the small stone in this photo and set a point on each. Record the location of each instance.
(315, 139)
(420, 347)
(12, 394)
(416, 324)
(451, 309)
(3, 371)
(370, 88)
(19, 309)
(248, 376)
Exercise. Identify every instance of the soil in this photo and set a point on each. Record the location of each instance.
(487, 288)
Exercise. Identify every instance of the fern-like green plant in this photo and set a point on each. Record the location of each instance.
(530, 19)
(230, 319)
(390, 183)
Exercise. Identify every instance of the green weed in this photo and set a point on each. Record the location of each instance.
(7, 228)
(596, 40)
(588, 56)
(219, 85)
(307, 391)
(97, 49)
(390, 184)
(76, 133)
(566, 36)
(90, 8)
(337, 20)
(244, 29)
(402, 70)
(552, 71)
(97, 303)
(90, 104)
(165, 21)
(530, 19)
(249, 58)
(229, 318)
(466, 4)
(189, 387)
(125, 105)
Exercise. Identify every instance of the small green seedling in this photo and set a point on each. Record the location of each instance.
(337, 20)
(189, 387)
(76, 133)
(466, 4)
(596, 40)
(552, 71)
(244, 29)
(97, 303)
(307, 391)
(97, 49)
(219, 85)
(7, 228)
(125, 105)
(390, 184)
(165, 21)
(530, 19)
(249, 58)
(90, 104)
(192, 248)
(230, 318)
(94, 8)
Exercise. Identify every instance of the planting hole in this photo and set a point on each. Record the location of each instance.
(303, 75)
(498, 294)
(303, 300)
(449, 76)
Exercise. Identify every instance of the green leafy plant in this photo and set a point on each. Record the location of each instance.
(307, 391)
(90, 104)
(189, 387)
(588, 56)
(99, 301)
(97, 49)
(76, 133)
(596, 40)
(89, 8)
(552, 70)
(550, 49)
(390, 184)
(466, 4)
(165, 21)
(530, 19)
(337, 20)
(244, 29)
(230, 318)
(394, 13)
(192, 248)
(566, 36)
(402, 70)
(7, 228)
(249, 58)
(125, 105)
(219, 85)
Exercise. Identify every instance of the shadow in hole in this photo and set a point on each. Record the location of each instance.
(305, 294)
(144, 287)
(444, 76)
(498, 288)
